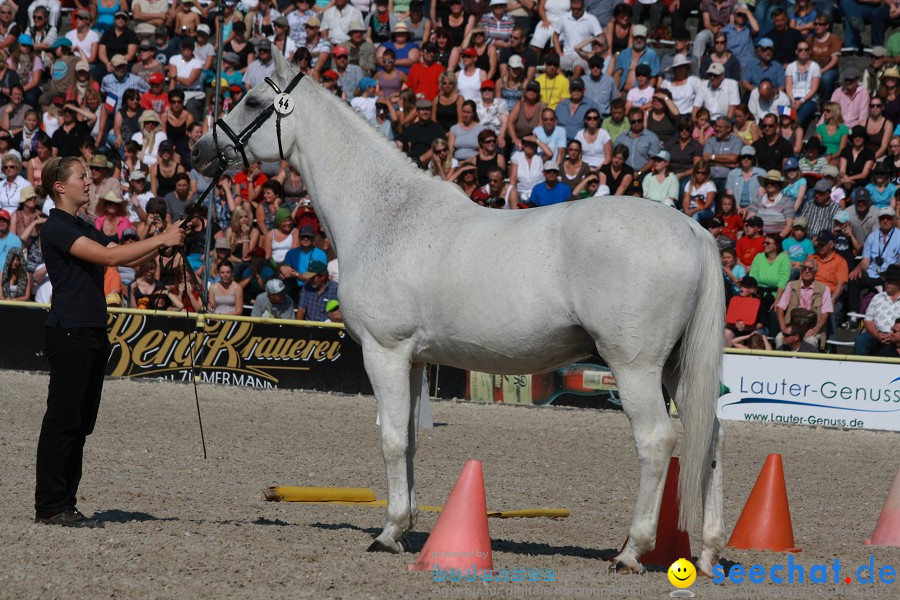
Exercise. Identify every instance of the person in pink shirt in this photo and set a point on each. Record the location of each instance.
(853, 98)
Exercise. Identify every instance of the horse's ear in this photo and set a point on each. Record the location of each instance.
(282, 67)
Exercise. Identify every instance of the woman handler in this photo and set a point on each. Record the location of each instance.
(75, 339)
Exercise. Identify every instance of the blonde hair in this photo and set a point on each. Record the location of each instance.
(837, 116)
(446, 164)
(239, 211)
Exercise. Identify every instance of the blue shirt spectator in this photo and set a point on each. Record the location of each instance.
(755, 72)
(623, 63)
(599, 88)
(883, 246)
(550, 191)
(740, 43)
(300, 259)
(573, 122)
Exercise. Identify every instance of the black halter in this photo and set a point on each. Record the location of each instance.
(241, 138)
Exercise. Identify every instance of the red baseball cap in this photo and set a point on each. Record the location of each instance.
(488, 84)
(156, 78)
(470, 52)
(5, 215)
(332, 75)
(340, 51)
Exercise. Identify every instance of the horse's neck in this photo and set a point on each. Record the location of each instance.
(356, 178)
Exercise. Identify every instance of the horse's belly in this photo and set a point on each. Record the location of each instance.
(511, 354)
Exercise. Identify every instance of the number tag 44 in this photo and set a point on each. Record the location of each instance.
(284, 104)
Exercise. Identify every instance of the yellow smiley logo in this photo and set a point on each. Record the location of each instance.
(682, 573)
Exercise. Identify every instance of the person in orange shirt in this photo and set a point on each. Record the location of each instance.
(833, 271)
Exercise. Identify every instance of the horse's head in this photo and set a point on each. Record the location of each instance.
(250, 131)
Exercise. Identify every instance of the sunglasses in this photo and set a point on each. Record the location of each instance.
(807, 269)
(490, 141)
(875, 105)
(592, 118)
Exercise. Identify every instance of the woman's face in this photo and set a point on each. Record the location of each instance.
(467, 114)
(15, 264)
(740, 117)
(793, 174)
(77, 187)
(727, 205)
(286, 225)
(43, 151)
(728, 259)
(6, 14)
(11, 170)
(574, 152)
(110, 207)
(529, 149)
(489, 145)
(618, 161)
(269, 195)
(92, 101)
(225, 273)
(244, 219)
(31, 121)
(702, 122)
(895, 147)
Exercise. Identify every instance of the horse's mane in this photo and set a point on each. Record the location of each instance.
(385, 153)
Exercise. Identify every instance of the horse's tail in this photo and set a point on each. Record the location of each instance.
(698, 385)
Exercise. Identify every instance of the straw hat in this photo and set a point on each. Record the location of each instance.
(149, 116)
(26, 194)
(113, 197)
(773, 175)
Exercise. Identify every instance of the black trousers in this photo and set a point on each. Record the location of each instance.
(856, 288)
(77, 358)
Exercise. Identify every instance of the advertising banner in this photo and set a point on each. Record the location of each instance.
(830, 393)
(243, 352)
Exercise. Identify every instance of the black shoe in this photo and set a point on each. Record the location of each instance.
(70, 518)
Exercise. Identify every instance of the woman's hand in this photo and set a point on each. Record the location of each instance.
(173, 236)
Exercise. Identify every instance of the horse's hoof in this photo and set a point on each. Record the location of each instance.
(705, 570)
(622, 569)
(378, 546)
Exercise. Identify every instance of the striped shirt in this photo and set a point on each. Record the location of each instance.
(497, 30)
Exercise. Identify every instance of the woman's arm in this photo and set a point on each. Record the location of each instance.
(885, 139)
(267, 244)
(626, 183)
(114, 255)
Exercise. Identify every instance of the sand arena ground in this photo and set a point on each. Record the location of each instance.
(178, 526)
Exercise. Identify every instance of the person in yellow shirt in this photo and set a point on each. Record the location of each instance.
(554, 85)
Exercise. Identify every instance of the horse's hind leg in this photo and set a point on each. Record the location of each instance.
(416, 378)
(654, 438)
(713, 510)
(389, 371)
(713, 501)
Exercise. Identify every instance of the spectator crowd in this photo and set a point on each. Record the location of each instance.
(779, 136)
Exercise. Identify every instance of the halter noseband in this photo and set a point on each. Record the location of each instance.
(282, 106)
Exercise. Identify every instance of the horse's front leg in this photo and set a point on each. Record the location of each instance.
(389, 372)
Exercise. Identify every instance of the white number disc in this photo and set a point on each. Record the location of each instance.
(284, 104)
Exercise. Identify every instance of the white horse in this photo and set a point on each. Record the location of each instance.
(429, 276)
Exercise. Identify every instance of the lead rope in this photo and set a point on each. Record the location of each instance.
(166, 269)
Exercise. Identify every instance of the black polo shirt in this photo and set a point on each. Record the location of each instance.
(68, 143)
(772, 157)
(118, 44)
(78, 299)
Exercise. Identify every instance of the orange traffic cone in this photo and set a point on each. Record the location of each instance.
(672, 543)
(460, 538)
(887, 530)
(765, 522)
